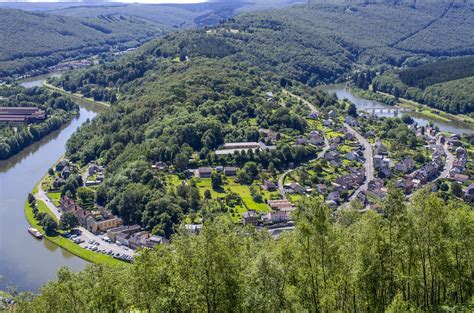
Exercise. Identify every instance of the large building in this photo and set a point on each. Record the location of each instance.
(21, 115)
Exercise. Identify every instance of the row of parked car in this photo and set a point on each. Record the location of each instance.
(123, 257)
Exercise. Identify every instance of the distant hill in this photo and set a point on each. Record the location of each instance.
(43, 34)
(33, 39)
(445, 85)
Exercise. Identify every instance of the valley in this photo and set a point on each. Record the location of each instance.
(225, 170)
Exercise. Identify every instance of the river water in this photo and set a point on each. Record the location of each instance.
(26, 262)
(362, 104)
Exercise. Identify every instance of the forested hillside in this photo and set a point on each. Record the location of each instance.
(417, 258)
(445, 85)
(179, 98)
(46, 33)
(32, 40)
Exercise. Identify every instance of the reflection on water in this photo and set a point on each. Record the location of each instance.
(37, 81)
(26, 262)
(362, 104)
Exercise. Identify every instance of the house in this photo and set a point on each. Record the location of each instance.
(269, 185)
(334, 196)
(144, 239)
(315, 138)
(469, 193)
(61, 165)
(112, 233)
(294, 188)
(313, 115)
(280, 205)
(160, 166)
(331, 155)
(327, 122)
(22, 115)
(269, 134)
(250, 218)
(459, 178)
(65, 173)
(204, 172)
(332, 114)
(102, 220)
(68, 205)
(230, 171)
(301, 141)
(154, 240)
(321, 188)
(460, 151)
(351, 156)
(279, 216)
(405, 166)
(193, 228)
(91, 170)
(352, 121)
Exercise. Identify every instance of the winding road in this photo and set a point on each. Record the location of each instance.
(368, 155)
(281, 179)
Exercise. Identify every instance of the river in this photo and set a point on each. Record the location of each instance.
(26, 262)
(362, 104)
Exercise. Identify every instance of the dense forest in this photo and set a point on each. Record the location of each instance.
(445, 85)
(418, 257)
(13, 138)
(311, 43)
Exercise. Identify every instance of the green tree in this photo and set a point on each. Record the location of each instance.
(68, 221)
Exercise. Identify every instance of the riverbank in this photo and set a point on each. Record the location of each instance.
(65, 243)
(74, 96)
(417, 107)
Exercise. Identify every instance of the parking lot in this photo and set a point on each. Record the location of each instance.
(100, 244)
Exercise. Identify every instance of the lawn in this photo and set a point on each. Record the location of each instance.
(66, 244)
(55, 197)
(248, 203)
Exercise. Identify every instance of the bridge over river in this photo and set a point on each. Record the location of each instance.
(387, 110)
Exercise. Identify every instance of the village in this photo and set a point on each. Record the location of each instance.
(349, 162)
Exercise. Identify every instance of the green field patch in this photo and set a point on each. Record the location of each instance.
(55, 197)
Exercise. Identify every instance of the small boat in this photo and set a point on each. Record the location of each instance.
(35, 232)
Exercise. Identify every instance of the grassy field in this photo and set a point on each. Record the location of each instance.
(66, 244)
(55, 197)
(75, 96)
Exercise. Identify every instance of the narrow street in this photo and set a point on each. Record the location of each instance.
(448, 163)
(368, 165)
